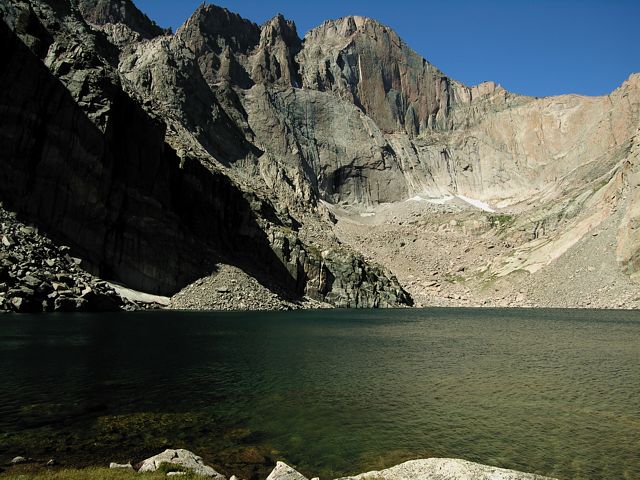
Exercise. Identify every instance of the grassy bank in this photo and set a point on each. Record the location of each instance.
(92, 473)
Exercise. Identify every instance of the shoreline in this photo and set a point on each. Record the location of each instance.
(186, 464)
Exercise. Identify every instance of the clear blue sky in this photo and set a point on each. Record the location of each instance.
(533, 47)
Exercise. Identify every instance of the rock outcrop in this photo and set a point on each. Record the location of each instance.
(445, 469)
(282, 471)
(427, 469)
(181, 458)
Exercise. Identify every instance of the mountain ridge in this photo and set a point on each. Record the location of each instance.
(325, 129)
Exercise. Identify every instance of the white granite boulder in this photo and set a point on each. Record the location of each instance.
(445, 469)
(282, 471)
(181, 457)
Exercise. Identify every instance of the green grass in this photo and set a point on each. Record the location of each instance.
(502, 220)
(166, 467)
(92, 473)
(453, 278)
(34, 472)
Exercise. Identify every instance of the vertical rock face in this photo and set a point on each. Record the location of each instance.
(628, 249)
(365, 62)
(330, 144)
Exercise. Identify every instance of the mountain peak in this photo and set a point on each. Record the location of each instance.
(101, 12)
(280, 27)
(350, 25)
(213, 21)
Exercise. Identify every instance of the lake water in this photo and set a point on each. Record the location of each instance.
(555, 392)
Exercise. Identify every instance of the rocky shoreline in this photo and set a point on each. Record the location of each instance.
(182, 463)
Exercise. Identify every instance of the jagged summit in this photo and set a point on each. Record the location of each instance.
(350, 24)
(210, 19)
(280, 27)
(101, 12)
(237, 51)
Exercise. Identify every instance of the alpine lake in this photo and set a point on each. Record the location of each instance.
(333, 392)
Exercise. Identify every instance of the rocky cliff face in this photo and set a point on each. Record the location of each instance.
(89, 158)
(628, 248)
(367, 64)
(230, 142)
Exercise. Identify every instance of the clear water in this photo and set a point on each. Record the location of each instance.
(555, 392)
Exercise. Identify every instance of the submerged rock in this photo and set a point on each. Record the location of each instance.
(445, 469)
(182, 457)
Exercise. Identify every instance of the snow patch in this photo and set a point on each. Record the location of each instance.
(447, 198)
(434, 200)
(477, 203)
(441, 200)
(139, 297)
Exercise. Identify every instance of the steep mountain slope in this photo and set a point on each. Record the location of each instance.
(160, 156)
(135, 195)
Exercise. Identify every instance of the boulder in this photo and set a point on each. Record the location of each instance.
(121, 466)
(18, 460)
(282, 471)
(181, 457)
(31, 281)
(96, 302)
(66, 304)
(24, 305)
(445, 469)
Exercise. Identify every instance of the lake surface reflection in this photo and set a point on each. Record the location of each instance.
(556, 392)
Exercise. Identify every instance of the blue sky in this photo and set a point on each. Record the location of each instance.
(533, 47)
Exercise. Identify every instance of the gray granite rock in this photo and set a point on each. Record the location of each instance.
(445, 469)
(184, 458)
(282, 471)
